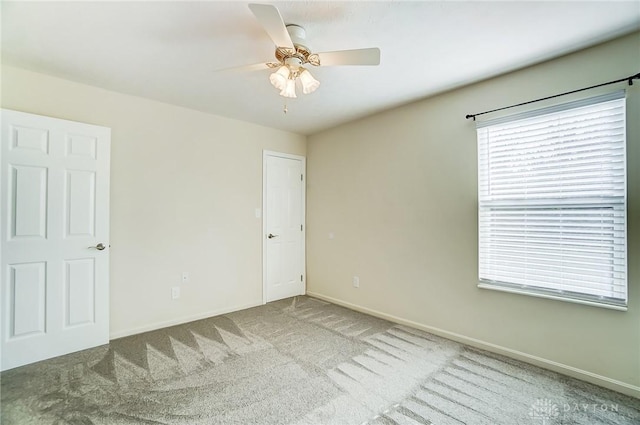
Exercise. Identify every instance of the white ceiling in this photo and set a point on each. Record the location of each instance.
(173, 51)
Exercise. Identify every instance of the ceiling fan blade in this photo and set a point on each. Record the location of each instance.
(351, 57)
(272, 22)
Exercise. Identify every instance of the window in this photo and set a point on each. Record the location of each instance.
(552, 202)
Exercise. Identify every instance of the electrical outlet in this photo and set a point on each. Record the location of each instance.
(175, 292)
(185, 277)
(356, 282)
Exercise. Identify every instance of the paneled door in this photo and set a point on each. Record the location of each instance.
(283, 226)
(54, 248)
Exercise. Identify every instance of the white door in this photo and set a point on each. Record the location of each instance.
(54, 248)
(283, 226)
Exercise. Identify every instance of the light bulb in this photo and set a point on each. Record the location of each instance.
(290, 89)
(309, 84)
(279, 78)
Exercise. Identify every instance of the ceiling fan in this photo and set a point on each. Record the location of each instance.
(291, 53)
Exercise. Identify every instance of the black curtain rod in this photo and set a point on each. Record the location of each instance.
(628, 79)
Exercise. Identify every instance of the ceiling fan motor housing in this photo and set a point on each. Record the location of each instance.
(297, 34)
(301, 52)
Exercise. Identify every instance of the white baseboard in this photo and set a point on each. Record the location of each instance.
(181, 320)
(583, 375)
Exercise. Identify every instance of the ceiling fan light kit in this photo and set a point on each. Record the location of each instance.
(284, 79)
(289, 89)
(291, 54)
(309, 84)
(280, 77)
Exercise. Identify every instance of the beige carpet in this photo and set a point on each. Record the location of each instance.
(299, 361)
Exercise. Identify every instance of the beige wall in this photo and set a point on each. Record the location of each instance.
(184, 188)
(398, 191)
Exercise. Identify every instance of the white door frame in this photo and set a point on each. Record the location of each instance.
(303, 161)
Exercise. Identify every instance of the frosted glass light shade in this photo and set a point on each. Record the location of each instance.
(279, 78)
(289, 89)
(309, 84)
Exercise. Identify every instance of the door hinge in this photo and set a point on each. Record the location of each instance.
(301, 227)
(300, 278)
(301, 178)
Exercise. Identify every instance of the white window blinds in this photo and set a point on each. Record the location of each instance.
(552, 201)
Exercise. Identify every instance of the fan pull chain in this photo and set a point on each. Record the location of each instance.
(285, 110)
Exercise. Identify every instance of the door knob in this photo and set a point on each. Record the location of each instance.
(99, 247)
(271, 236)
